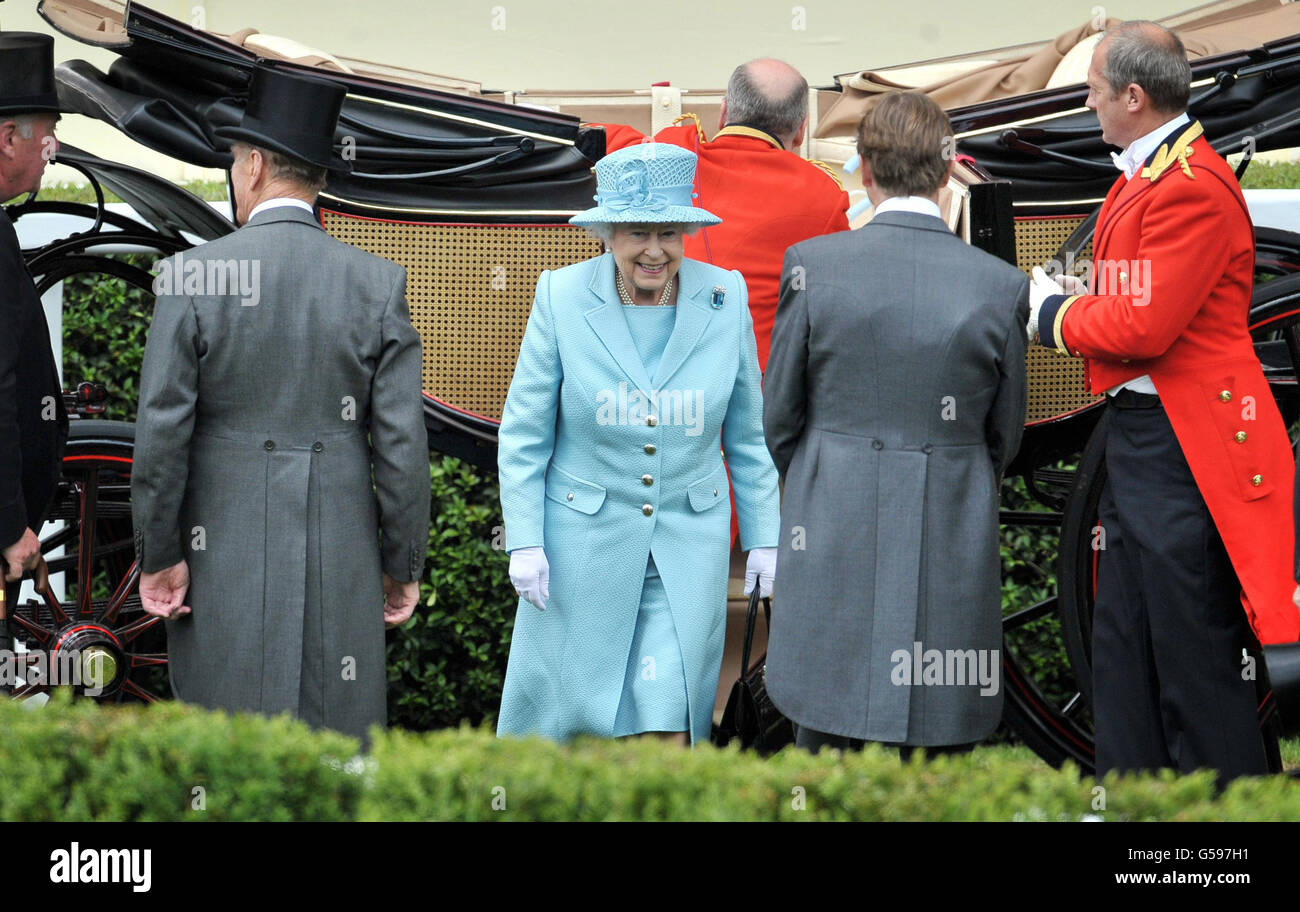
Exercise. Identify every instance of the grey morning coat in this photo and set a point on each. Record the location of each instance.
(894, 399)
(261, 419)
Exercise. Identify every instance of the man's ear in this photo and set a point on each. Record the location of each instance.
(797, 141)
(1136, 100)
(8, 133)
(722, 113)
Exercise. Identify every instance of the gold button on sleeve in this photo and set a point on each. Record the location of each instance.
(1225, 396)
(1240, 436)
(1257, 480)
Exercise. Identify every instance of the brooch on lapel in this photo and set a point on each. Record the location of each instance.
(719, 292)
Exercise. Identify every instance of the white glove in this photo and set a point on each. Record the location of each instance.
(760, 567)
(531, 575)
(1041, 287)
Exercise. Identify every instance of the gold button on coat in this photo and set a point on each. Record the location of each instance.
(647, 509)
(1257, 480)
(650, 448)
(651, 420)
(1240, 436)
(570, 495)
(647, 480)
(1225, 396)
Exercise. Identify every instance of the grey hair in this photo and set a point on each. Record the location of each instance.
(290, 169)
(26, 124)
(749, 105)
(604, 231)
(1157, 63)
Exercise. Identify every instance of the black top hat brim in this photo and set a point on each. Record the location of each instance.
(331, 162)
(41, 105)
(27, 84)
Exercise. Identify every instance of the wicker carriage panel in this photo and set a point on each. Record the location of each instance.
(1055, 381)
(469, 288)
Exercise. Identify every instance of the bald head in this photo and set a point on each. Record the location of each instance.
(769, 95)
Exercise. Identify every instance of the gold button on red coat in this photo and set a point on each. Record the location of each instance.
(1257, 480)
(1225, 396)
(1240, 436)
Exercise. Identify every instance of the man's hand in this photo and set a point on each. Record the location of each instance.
(530, 573)
(1041, 287)
(22, 555)
(399, 600)
(1295, 596)
(163, 593)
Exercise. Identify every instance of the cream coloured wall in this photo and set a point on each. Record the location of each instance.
(578, 44)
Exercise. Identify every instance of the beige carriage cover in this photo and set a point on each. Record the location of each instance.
(1216, 28)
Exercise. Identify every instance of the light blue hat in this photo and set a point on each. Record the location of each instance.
(646, 183)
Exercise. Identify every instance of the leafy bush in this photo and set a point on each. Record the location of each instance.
(90, 762)
(84, 762)
(447, 664)
(105, 326)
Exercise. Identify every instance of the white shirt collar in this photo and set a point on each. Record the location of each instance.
(279, 201)
(1130, 161)
(917, 204)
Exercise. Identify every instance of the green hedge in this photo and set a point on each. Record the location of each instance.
(84, 762)
(91, 762)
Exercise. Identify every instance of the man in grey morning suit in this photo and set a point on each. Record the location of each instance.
(281, 368)
(894, 398)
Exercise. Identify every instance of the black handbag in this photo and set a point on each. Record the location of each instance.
(750, 715)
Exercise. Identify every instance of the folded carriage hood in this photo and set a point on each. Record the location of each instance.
(424, 151)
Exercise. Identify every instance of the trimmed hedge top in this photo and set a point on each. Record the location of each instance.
(175, 762)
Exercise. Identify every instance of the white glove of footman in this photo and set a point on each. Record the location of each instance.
(760, 567)
(531, 575)
(1041, 287)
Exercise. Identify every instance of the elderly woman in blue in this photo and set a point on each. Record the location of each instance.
(637, 373)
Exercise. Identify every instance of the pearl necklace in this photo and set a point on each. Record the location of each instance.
(627, 298)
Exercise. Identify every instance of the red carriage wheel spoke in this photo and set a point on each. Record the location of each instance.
(137, 627)
(141, 659)
(29, 690)
(135, 690)
(88, 489)
(119, 598)
(39, 633)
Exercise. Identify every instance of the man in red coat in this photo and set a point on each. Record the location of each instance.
(1195, 513)
(768, 197)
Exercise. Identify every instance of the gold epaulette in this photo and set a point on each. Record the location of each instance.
(691, 115)
(1179, 152)
(828, 169)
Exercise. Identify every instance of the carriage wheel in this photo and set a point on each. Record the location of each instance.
(121, 650)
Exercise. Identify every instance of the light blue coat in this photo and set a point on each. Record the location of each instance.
(581, 466)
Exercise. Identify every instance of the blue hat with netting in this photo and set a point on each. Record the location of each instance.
(646, 183)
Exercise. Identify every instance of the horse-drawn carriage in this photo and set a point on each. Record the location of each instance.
(471, 192)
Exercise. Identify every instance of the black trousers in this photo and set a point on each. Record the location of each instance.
(812, 740)
(1170, 688)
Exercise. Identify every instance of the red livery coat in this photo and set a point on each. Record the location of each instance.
(1174, 259)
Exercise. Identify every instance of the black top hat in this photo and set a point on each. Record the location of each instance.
(292, 114)
(27, 74)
